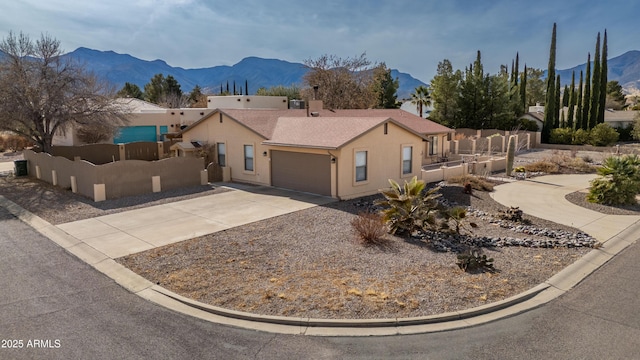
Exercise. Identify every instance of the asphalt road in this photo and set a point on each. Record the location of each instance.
(54, 306)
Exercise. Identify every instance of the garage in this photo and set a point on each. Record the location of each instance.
(302, 172)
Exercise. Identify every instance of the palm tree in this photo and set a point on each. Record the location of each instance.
(421, 98)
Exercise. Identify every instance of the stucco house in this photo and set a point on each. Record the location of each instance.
(338, 153)
(147, 122)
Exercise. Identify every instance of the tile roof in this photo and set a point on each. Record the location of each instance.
(321, 132)
(330, 128)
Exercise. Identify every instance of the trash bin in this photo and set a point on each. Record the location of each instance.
(21, 168)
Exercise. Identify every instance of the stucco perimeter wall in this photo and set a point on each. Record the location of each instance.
(122, 178)
(483, 167)
(94, 153)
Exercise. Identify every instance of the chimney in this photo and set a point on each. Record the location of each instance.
(315, 105)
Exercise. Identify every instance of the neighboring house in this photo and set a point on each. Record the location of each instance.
(338, 153)
(147, 122)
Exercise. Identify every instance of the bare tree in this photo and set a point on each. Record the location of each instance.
(42, 93)
(342, 83)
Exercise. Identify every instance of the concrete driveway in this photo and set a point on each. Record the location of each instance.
(138, 230)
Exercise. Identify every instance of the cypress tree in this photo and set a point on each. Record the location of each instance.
(595, 87)
(586, 97)
(550, 112)
(603, 80)
(523, 90)
(572, 100)
(556, 117)
(246, 87)
(565, 96)
(579, 123)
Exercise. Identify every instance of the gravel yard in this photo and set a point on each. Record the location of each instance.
(310, 264)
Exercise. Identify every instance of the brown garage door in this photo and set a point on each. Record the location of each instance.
(302, 172)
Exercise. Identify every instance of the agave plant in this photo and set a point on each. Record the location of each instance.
(409, 208)
(619, 181)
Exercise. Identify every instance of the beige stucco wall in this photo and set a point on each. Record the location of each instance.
(247, 102)
(384, 161)
(234, 136)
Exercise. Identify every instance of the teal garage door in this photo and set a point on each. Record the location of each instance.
(130, 134)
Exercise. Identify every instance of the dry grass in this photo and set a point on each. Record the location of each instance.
(477, 182)
(369, 228)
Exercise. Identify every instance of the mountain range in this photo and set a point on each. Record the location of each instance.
(257, 72)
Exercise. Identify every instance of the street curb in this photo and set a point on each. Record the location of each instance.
(554, 287)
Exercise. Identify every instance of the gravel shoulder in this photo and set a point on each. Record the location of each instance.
(310, 263)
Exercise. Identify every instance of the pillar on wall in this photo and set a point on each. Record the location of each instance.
(38, 175)
(204, 177)
(528, 141)
(456, 147)
(121, 152)
(74, 184)
(490, 144)
(160, 150)
(54, 178)
(155, 184)
(473, 146)
(99, 192)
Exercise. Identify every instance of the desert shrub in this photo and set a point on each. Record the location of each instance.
(625, 132)
(409, 208)
(580, 137)
(603, 135)
(527, 125)
(543, 166)
(369, 227)
(561, 136)
(476, 182)
(457, 216)
(580, 165)
(474, 260)
(618, 182)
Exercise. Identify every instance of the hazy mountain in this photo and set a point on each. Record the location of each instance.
(257, 72)
(625, 69)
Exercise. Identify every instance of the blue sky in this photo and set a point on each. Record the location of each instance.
(411, 36)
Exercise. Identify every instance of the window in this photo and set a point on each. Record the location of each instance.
(361, 165)
(433, 145)
(406, 159)
(222, 154)
(248, 157)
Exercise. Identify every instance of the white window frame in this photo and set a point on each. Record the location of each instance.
(407, 161)
(357, 161)
(252, 165)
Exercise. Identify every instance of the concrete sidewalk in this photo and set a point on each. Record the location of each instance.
(544, 197)
(138, 230)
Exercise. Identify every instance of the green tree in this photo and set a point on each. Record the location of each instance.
(615, 98)
(196, 98)
(603, 135)
(550, 100)
(586, 97)
(292, 92)
(44, 93)
(535, 87)
(523, 90)
(579, 122)
(164, 91)
(385, 88)
(130, 90)
(572, 101)
(558, 104)
(604, 68)
(594, 107)
(444, 93)
(499, 106)
(421, 98)
(471, 101)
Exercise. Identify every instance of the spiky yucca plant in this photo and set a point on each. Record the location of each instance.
(619, 181)
(409, 208)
